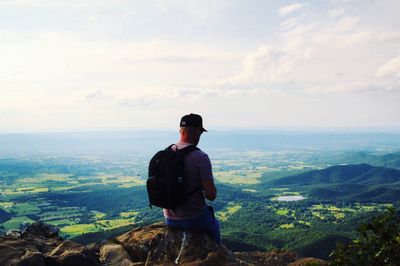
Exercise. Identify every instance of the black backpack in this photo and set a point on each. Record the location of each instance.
(166, 181)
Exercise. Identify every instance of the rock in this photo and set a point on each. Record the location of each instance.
(160, 245)
(275, 258)
(40, 229)
(40, 245)
(65, 248)
(14, 233)
(155, 244)
(14, 250)
(44, 237)
(309, 261)
(71, 253)
(114, 254)
(70, 259)
(32, 258)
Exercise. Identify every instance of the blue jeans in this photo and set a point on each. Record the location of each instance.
(205, 222)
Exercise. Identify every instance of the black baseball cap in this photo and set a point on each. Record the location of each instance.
(192, 120)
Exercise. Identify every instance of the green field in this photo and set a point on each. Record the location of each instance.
(14, 223)
(239, 176)
(228, 211)
(90, 195)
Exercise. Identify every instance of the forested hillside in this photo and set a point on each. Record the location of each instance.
(290, 195)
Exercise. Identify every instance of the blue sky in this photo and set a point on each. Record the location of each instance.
(119, 64)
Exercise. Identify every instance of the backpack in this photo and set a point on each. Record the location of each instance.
(166, 182)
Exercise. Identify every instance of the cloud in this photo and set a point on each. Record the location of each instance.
(292, 22)
(156, 96)
(286, 10)
(345, 87)
(99, 64)
(98, 95)
(319, 55)
(161, 6)
(144, 101)
(391, 68)
(185, 96)
(265, 65)
(336, 12)
(181, 59)
(346, 24)
(45, 3)
(204, 10)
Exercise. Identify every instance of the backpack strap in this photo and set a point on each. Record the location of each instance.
(188, 149)
(169, 148)
(185, 151)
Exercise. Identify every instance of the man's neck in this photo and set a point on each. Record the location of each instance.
(185, 142)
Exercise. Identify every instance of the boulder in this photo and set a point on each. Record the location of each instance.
(272, 258)
(16, 250)
(40, 245)
(155, 244)
(309, 261)
(114, 254)
(40, 229)
(71, 253)
(158, 244)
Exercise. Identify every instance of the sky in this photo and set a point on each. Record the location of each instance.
(255, 64)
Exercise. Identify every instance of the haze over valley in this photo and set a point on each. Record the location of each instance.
(284, 189)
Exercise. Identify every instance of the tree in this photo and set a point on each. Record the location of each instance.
(378, 243)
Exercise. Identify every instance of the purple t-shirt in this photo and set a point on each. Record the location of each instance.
(197, 169)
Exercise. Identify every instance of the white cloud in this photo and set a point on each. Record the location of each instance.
(336, 12)
(391, 68)
(286, 10)
(98, 95)
(292, 22)
(161, 5)
(346, 24)
(204, 10)
(46, 3)
(343, 87)
(96, 63)
(319, 56)
(265, 65)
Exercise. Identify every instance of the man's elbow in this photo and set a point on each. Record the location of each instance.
(211, 195)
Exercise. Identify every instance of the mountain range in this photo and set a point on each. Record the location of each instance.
(359, 182)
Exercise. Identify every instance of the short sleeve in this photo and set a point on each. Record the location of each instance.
(205, 168)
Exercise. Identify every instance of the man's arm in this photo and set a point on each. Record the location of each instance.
(210, 191)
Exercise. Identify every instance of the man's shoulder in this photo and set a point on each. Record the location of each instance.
(198, 156)
(194, 149)
(199, 152)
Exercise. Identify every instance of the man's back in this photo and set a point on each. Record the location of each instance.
(194, 214)
(197, 169)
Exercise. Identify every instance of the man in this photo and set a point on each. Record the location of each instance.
(194, 214)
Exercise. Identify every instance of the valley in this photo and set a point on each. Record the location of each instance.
(301, 198)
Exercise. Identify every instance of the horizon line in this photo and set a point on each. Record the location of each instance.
(216, 130)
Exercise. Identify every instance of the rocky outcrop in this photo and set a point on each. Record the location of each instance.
(40, 245)
(275, 258)
(308, 262)
(156, 244)
(159, 245)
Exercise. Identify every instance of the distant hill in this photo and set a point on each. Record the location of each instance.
(361, 182)
(361, 174)
(4, 216)
(390, 160)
